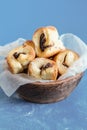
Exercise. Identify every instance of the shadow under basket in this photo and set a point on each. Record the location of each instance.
(50, 91)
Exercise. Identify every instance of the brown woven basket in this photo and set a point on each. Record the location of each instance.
(49, 92)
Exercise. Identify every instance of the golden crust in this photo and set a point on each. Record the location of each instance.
(19, 58)
(51, 46)
(30, 43)
(65, 59)
(43, 68)
(44, 44)
(47, 27)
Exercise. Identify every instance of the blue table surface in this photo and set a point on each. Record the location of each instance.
(20, 18)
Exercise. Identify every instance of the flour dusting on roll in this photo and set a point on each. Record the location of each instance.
(43, 68)
(65, 59)
(19, 58)
(47, 43)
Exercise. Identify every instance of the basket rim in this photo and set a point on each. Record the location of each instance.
(57, 81)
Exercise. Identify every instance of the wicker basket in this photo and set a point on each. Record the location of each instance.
(49, 92)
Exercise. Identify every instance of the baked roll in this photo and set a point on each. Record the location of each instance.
(65, 59)
(30, 43)
(43, 68)
(47, 43)
(19, 58)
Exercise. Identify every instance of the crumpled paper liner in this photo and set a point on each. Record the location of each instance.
(10, 82)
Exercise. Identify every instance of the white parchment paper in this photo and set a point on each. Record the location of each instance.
(10, 82)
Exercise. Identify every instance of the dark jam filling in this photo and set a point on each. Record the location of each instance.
(44, 67)
(64, 61)
(16, 54)
(42, 42)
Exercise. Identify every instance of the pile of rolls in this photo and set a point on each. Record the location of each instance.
(43, 57)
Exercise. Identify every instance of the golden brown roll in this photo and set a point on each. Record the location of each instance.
(30, 43)
(65, 59)
(43, 68)
(19, 58)
(47, 43)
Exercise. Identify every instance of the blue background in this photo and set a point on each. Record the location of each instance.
(20, 18)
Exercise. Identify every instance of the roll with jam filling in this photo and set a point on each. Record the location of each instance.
(47, 43)
(43, 68)
(65, 59)
(19, 58)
